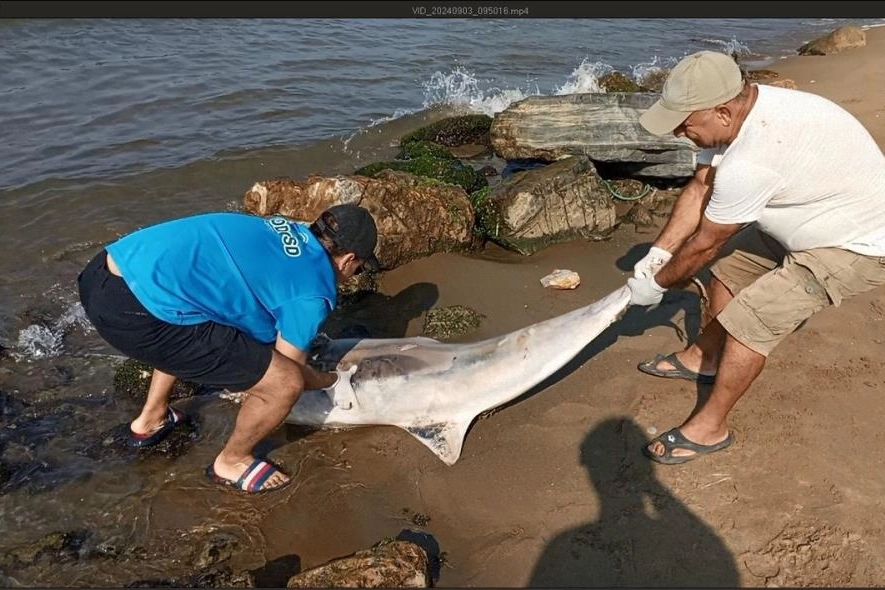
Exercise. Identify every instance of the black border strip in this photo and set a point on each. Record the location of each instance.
(442, 9)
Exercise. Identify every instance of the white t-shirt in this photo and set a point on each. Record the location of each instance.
(806, 171)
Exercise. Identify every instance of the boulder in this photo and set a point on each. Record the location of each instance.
(416, 217)
(602, 126)
(391, 564)
(558, 202)
(843, 38)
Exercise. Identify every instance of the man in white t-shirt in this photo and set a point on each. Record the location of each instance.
(795, 186)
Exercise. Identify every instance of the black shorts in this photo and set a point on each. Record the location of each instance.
(208, 353)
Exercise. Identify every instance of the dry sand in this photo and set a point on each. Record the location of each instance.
(553, 490)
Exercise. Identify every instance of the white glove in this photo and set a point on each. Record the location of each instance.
(651, 262)
(341, 392)
(645, 291)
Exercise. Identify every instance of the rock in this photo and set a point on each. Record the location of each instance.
(393, 564)
(429, 160)
(602, 126)
(561, 279)
(415, 217)
(221, 577)
(559, 202)
(454, 131)
(843, 38)
(760, 75)
(470, 151)
(56, 547)
(785, 83)
(619, 82)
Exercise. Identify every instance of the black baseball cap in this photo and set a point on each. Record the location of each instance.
(356, 232)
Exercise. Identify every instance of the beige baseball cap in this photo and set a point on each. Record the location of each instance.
(700, 81)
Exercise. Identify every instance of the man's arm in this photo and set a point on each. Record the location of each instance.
(685, 218)
(698, 251)
(313, 379)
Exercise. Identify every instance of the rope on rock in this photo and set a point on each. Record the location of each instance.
(614, 192)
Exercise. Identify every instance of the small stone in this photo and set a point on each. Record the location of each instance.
(561, 279)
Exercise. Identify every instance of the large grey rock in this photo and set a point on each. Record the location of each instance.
(603, 126)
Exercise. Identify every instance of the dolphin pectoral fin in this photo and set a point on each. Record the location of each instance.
(445, 439)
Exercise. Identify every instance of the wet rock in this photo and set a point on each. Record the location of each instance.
(118, 548)
(432, 161)
(471, 151)
(654, 79)
(449, 322)
(133, 378)
(389, 564)
(211, 578)
(57, 547)
(220, 547)
(489, 170)
(10, 406)
(454, 131)
(619, 82)
(561, 279)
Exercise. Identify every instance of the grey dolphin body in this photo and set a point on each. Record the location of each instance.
(435, 390)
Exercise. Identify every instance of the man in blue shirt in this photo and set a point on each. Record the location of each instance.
(233, 301)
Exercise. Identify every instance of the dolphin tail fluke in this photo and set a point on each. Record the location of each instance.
(445, 439)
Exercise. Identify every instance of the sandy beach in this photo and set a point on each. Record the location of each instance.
(553, 489)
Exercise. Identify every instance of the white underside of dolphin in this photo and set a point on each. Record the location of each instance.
(434, 390)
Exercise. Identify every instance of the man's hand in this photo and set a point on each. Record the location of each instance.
(341, 392)
(651, 262)
(645, 291)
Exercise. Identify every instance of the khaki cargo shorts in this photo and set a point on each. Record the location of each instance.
(775, 290)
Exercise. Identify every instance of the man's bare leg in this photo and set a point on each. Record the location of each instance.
(707, 424)
(264, 409)
(702, 356)
(153, 413)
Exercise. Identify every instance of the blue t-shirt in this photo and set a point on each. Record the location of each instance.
(259, 275)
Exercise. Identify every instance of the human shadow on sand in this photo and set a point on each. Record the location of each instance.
(642, 535)
(370, 314)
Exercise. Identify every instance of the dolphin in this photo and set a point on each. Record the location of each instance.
(434, 390)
